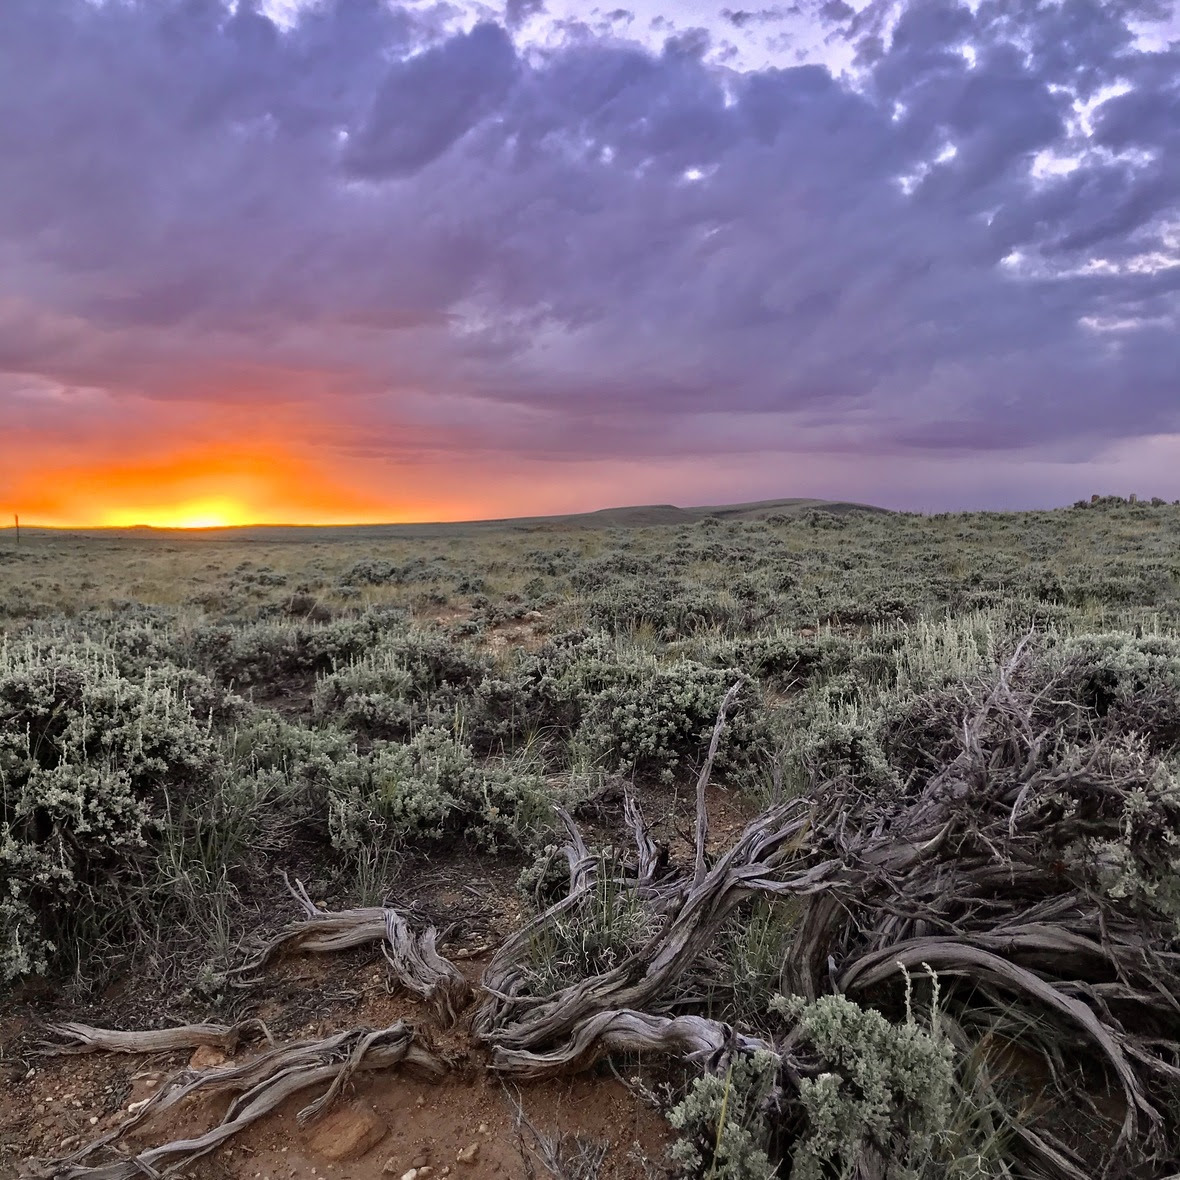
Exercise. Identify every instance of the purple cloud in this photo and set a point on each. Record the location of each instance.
(972, 247)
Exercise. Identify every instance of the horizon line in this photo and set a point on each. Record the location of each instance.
(751, 505)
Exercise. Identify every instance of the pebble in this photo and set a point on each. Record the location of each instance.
(467, 1154)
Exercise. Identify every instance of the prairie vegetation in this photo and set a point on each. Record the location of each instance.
(851, 839)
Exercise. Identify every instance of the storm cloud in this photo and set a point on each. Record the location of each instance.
(969, 244)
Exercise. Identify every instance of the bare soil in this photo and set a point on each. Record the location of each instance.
(53, 1104)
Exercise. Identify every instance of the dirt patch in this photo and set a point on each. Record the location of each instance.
(54, 1104)
(437, 1126)
(467, 1125)
(528, 633)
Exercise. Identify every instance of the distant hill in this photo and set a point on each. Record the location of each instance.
(635, 516)
(647, 514)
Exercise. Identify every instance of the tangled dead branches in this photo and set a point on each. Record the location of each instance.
(258, 1086)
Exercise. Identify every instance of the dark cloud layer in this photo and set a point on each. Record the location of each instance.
(972, 247)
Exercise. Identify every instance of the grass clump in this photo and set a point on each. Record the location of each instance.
(595, 936)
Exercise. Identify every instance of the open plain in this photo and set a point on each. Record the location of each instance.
(716, 841)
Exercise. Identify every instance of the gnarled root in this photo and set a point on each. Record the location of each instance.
(259, 1085)
(419, 968)
(413, 959)
(624, 1031)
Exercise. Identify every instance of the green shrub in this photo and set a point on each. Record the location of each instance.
(86, 757)
(884, 1087)
(262, 652)
(725, 1122)
(430, 788)
(654, 721)
(412, 679)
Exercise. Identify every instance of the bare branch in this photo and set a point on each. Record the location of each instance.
(702, 830)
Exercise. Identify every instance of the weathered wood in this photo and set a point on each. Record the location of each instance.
(87, 1039)
(258, 1085)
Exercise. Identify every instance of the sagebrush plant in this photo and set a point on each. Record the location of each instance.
(544, 880)
(653, 721)
(880, 1091)
(430, 787)
(724, 1121)
(86, 756)
(886, 1088)
(1142, 868)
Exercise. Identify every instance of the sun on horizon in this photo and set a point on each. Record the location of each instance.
(207, 484)
(213, 513)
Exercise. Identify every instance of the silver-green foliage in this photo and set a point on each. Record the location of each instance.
(886, 1090)
(651, 720)
(880, 1091)
(427, 788)
(85, 755)
(724, 1121)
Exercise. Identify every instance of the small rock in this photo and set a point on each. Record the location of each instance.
(206, 1057)
(467, 1154)
(483, 1128)
(348, 1133)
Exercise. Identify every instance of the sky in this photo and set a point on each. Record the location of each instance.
(355, 260)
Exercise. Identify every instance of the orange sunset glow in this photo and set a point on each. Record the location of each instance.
(202, 487)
